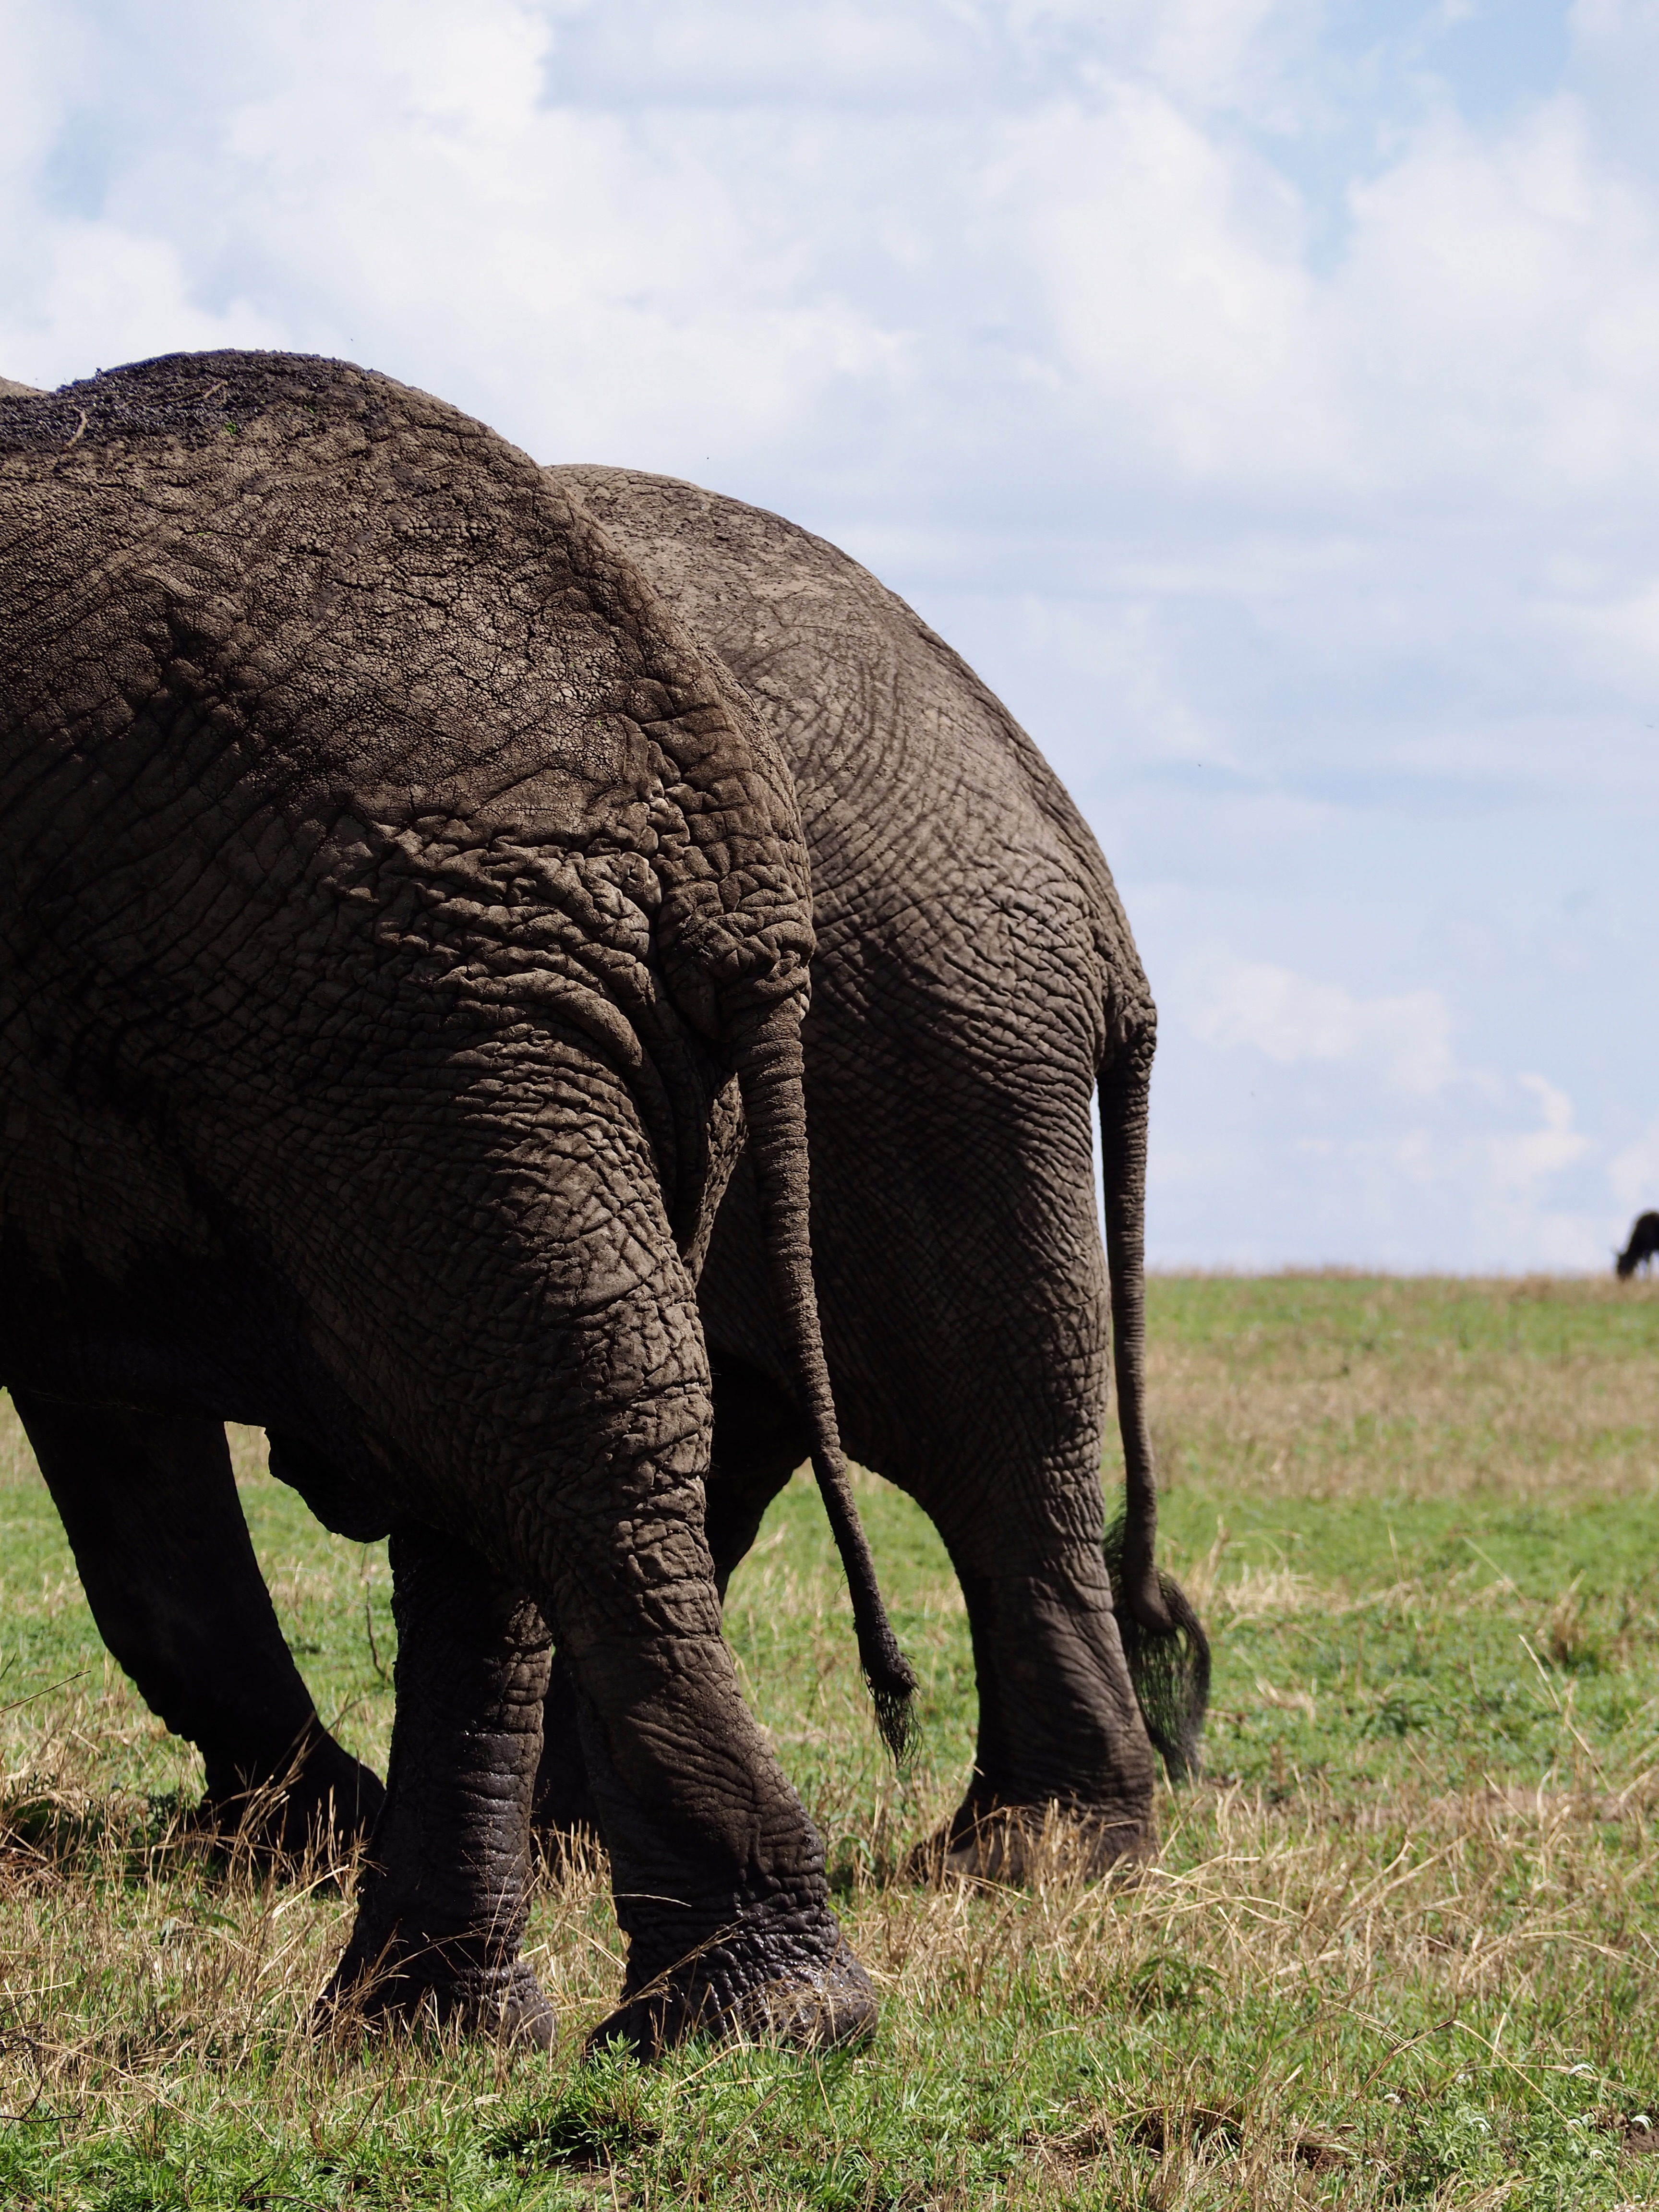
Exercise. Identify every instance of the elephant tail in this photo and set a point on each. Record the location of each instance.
(770, 1077)
(1165, 1646)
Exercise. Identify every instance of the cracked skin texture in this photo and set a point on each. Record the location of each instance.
(391, 889)
(974, 969)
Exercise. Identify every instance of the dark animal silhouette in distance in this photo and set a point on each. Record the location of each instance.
(1642, 1246)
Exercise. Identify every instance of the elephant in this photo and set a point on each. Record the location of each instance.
(403, 924)
(976, 976)
(1642, 1248)
(965, 995)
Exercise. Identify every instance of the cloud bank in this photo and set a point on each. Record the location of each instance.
(1263, 393)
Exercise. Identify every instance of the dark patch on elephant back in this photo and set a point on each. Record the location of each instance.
(193, 399)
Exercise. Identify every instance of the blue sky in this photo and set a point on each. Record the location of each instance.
(1264, 397)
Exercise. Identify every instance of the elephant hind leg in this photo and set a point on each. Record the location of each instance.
(149, 1505)
(759, 1440)
(718, 1873)
(1062, 1774)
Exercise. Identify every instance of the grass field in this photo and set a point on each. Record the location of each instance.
(1401, 1946)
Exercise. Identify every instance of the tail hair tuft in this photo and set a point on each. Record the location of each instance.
(1171, 1672)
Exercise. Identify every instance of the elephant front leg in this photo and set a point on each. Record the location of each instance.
(442, 1912)
(149, 1505)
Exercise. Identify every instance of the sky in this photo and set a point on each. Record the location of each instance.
(1263, 395)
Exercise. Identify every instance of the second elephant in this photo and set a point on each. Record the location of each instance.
(976, 979)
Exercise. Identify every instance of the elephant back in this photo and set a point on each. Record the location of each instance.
(936, 829)
(279, 628)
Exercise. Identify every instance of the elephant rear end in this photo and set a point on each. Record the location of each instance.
(975, 975)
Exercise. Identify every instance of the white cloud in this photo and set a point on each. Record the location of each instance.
(1404, 1036)
(1348, 1127)
(1176, 293)
(870, 235)
(1522, 1161)
(1279, 428)
(1633, 1173)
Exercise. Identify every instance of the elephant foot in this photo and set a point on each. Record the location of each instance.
(810, 2005)
(414, 1991)
(325, 1803)
(1017, 1845)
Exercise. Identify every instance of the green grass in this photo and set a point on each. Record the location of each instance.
(1400, 1949)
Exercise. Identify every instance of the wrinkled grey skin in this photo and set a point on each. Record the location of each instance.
(150, 1509)
(390, 891)
(975, 974)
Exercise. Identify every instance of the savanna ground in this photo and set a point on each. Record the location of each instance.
(1401, 1946)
